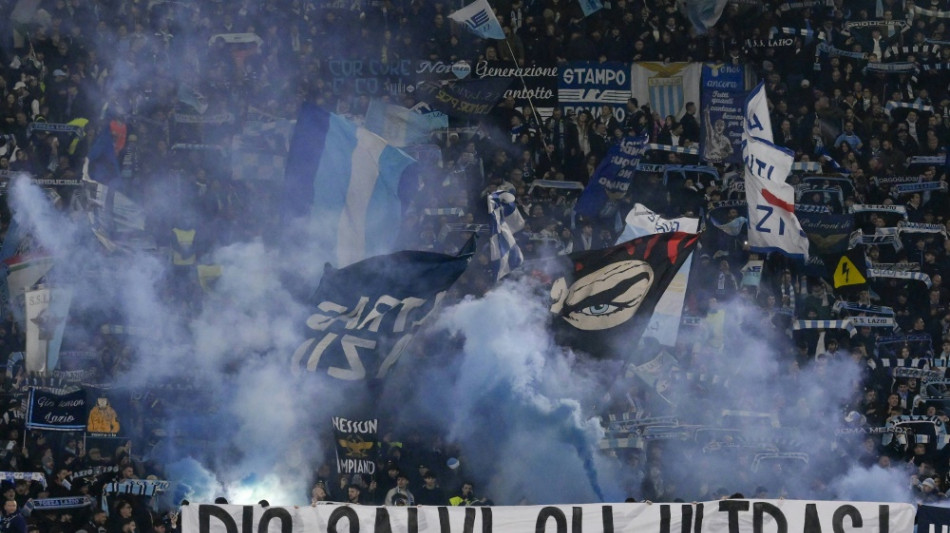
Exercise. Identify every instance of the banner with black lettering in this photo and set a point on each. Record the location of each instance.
(732, 516)
(723, 96)
(56, 412)
(356, 445)
(587, 86)
(467, 99)
(366, 313)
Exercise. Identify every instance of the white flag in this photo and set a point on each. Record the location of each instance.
(479, 18)
(641, 221)
(46, 313)
(773, 226)
(758, 123)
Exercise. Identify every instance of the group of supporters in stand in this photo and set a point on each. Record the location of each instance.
(125, 68)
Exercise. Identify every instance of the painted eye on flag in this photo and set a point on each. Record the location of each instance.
(606, 297)
(599, 310)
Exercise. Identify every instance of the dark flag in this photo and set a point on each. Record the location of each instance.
(848, 269)
(828, 233)
(366, 314)
(603, 298)
(466, 99)
(931, 519)
(56, 412)
(356, 445)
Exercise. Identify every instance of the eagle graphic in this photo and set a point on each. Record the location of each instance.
(355, 446)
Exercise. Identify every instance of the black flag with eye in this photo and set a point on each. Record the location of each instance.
(603, 299)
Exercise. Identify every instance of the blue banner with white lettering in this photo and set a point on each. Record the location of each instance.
(722, 100)
(371, 77)
(587, 86)
(612, 178)
(56, 412)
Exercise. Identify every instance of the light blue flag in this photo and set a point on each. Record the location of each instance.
(591, 6)
(479, 18)
(704, 14)
(350, 180)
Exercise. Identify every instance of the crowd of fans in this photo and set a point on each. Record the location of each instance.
(137, 70)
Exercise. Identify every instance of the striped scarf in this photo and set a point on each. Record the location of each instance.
(921, 186)
(900, 274)
(892, 105)
(916, 49)
(936, 13)
(842, 305)
(844, 324)
(901, 67)
(920, 227)
(674, 149)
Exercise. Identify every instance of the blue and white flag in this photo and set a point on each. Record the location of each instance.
(758, 123)
(704, 14)
(667, 87)
(612, 178)
(505, 221)
(348, 179)
(103, 165)
(479, 18)
(641, 221)
(46, 313)
(773, 226)
(401, 126)
(591, 6)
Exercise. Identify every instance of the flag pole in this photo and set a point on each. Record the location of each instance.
(524, 84)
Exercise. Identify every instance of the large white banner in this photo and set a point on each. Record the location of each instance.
(725, 516)
(757, 123)
(665, 323)
(773, 226)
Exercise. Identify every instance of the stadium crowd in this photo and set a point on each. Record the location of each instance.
(128, 68)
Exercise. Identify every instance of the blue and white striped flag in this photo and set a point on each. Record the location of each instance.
(479, 18)
(348, 180)
(506, 220)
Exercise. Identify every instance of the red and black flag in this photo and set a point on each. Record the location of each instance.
(603, 298)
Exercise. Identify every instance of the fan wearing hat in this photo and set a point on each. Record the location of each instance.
(400, 490)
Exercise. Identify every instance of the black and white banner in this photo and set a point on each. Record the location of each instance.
(58, 412)
(734, 516)
(356, 445)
